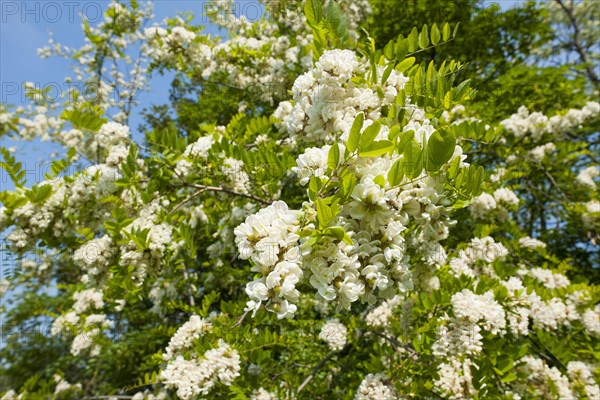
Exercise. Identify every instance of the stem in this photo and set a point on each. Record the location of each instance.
(229, 191)
(314, 371)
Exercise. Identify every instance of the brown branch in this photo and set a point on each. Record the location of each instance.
(577, 43)
(229, 191)
(315, 370)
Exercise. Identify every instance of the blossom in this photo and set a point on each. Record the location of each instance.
(479, 309)
(374, 387)
(586, 176)
(482, 205)
(186, 334)
(198, 376)
(335, 334)
(87, 299)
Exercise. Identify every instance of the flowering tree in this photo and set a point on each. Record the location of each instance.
(340, 225)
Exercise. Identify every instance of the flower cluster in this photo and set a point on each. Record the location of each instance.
(375, 387)
(335, 334)
(497, 204)
(477, 257)
(327, 99)
(197, 376)
(270, 239)
(537, 124)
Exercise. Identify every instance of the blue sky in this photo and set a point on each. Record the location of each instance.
(26, 26)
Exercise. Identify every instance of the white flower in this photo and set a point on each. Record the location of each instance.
(335, 334)
(506, 196)
(549, 279)
(531, 243)
(186, 334)
(87, 299)
(313, 162)
(479, 309)
(586, 176)
(482, 205)
(200, 148)
(198, 376)
(262, 394)
(373, 387)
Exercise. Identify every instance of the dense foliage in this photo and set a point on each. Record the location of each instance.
(333, 205)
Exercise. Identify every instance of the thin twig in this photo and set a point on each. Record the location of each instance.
(578, 46)
(230, 191)
(314, 371)
(241, 319)
(187, 199)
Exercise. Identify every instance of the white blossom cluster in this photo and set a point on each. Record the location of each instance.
(186, 335)
(375, 387)
(537, 124)
(263, 394)
(147, 395)
(195, 151)
(477, 257)
(531, 243)
(96, 255)
(197, 376)
(159, 238)
(274, 56)
(39, 125)
(586, 176)
(270, 239)
(375, 265)
(87, 299)
(335, 334)
(550, 314)
(326, 99)
(539, 153)
(110, 143)
(582, 379)
(548, 278)
(380, 316)
(542, 379)
(480, 309)
(455, 379)
(86, 339)
(497, 204)
(67, 197)
(62, 385)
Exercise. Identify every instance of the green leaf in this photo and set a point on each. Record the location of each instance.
(455, 29)
(405, 138)
(435, 34)
(369, 134)
(401, 48)
(315, 184)
(333, 157)
(377, 149)
(324, 213)
(347, 183)
(413, 40)
(396, 173)
(313, 10)
(380, 180)
(509, 378)
(354, 137)
(406, 64)
(446, 32)
(413, 159)
(386, 74)
(38, 194)
(424, 37)
(440, 148)
(338, 233)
